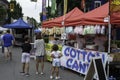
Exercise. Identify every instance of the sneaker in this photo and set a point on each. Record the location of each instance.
(37, 72)
(27, 74)
(51, 77)
(57, 77)
(41, 73)
(22, 73)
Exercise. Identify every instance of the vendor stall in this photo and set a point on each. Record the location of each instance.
(94, 28)
(20, 29)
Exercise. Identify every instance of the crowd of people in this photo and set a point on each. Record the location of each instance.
(8, 41)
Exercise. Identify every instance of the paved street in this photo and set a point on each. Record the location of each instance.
(11, 70)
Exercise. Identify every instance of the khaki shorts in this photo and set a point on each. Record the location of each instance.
(7, 49)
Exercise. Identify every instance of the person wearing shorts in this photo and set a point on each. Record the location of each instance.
(56, 55)
(8, 52)
(39, 46)
(25, 58)
(8, 40)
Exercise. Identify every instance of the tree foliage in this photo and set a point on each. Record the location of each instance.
(3, 14)
(17, 13)
(74, 3)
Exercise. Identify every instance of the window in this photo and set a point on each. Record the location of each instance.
(97, 4)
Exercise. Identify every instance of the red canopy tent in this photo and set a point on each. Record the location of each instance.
(58, 21)
(115, 18)
(95, 16)
(76, 17)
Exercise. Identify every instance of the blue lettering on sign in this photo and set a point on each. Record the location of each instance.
(83, 67)
(79, 52)
(66, 51)
(90, 54)
(79, 59)
(75, 65)
(84, 53)
(97, 54)
(69, 63)
(103, 57)
(73, 53)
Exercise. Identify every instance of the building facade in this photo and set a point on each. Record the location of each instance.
(97, 3)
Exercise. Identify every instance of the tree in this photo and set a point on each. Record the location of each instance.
(75, 3)
(3, 12)
(71, 5)
(15, 11)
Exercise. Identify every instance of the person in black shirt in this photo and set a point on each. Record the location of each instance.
(25, 58)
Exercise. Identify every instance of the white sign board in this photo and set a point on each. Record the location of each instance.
(79, 60)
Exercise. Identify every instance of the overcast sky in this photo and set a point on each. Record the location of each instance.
(31, 9)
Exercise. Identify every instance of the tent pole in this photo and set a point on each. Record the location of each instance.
(109, 44)
(63, 23)
(109, 35)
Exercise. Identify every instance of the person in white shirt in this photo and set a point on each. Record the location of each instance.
(39, 46)
(56, 55)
